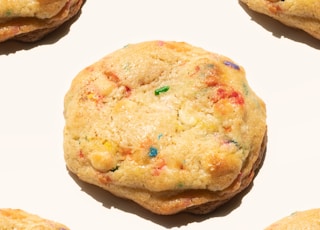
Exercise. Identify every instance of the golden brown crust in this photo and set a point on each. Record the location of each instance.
(31, 29)
(301, 14)
(191, 201)
(19, 219)
(245, 182)
(307, 219)
(168, 125)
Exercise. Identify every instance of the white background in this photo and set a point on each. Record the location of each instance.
(282, 66)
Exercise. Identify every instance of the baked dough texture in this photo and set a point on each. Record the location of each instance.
(17, 219)
(301, 14)
(168, 125)
(31, 20)
(301, 220)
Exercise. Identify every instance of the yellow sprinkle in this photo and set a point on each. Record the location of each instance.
(90, 96)
(110, 147)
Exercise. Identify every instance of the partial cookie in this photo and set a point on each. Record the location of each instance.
(301, 14)
(168, 125)
(307, 219)
(17, 219)
(31, 20)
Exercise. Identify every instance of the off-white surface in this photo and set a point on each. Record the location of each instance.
(282, 66)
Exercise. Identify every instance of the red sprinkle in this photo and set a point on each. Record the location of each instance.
(126, 151)
(160, 43)
(81, 155)
(233, 96)
(159, 167)
(274, 8)
(236, 98)
(104, 179)
(127, 91)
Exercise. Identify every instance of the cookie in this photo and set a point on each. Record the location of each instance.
(301, 14)
(307, 219)
(166, 124)
(31, 20)
(18, 219)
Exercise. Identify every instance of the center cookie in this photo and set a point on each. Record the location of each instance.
(168, 125)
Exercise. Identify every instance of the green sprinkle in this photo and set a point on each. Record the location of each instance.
(8, 13)
(210, 66)
(126, 66)
(180, 185)
(245, 89)
(161, 90)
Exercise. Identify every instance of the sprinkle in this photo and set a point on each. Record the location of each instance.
(233, 142)
(210, 66)
(231, 64)
(160, 164)
(81, 155)
(180, 185)
(153, 152)
(245, 89)
(127, 91)
(161, 90)
(159, 136)
(8, 13)
(294, 213)
(114, 169)
(109, 146)
(236, 98)
(126, 66)
(160, 43)
(111, 76)
(233, 96)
